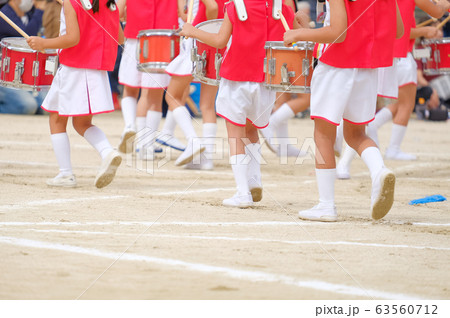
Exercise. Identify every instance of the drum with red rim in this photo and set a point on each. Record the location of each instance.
(438, 61)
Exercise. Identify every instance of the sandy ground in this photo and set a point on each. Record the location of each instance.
(160, 232)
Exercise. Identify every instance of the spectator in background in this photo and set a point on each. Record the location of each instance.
(27, 14)
(51, 19)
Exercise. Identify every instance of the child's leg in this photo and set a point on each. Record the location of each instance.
(406, 102)
(382, 117)
(253, 151)
(95, 136)
(61, 147)
(129, 107)
(236, 135)
(207, 102)
(383, 180)
(324, 137)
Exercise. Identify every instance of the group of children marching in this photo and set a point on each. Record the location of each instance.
(359, 39)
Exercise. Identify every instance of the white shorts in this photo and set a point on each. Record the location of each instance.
(407, 71)
(78, 92)
(182, 64)
(129, 74)
(238, 102)
(388, 81)
(343, 93)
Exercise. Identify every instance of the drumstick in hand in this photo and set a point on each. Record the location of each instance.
(190, 13)
(440, 25)
(286, 27)
(424, 23)
(15, 27)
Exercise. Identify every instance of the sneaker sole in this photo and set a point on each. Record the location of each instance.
(386, 198)
(321, 219)
(123, 144)
(107, 177)
(162, 142)
(257, 194)
(190, 158)
(240, 206)
(62, 185)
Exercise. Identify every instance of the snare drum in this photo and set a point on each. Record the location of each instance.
(207, 59)
(286, 69)
(439, 59)
(156, 49)
(22, 67)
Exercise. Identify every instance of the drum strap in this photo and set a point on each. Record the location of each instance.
(240, 8)
(277, 6)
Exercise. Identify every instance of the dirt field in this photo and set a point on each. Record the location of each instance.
(160, 232)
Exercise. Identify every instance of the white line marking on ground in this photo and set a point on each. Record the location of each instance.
(252, 276)
(56, 201)
(177, 223)
(245, 239)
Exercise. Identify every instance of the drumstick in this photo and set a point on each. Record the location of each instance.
(286, 27)
(22, 33)
(425, 23)
(190, 12)
(440, 25)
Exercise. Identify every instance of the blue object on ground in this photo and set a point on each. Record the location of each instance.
(431, 198)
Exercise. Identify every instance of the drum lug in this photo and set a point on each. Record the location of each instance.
(5, 65)
(18, 72)
(285, 75)
(272, 65)
(145, 53)
(194, 56)
(218, 64)
(35, 71)
(305, 67)
(172, 49)
(51, 65)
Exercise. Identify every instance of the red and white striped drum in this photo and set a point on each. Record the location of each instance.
(288, 69)
(207, 59)
(156, 49)
(24, 68)
(438, 61)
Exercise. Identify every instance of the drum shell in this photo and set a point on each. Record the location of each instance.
(156, 49)
(439, 61)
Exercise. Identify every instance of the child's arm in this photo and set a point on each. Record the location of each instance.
(121, 5)
(428, 32)
(301, 20)
(121, 35)
(400, 26)
(218, 40)
(334, 33)
(181, 12)
(71, 38)
(436, 10)
(212, 9)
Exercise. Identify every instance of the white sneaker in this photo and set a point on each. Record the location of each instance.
(126, 141)
(322, 213)
(393, 154)
(193, 149)
(382, 193)
(267, 135)
(239, 201)
(342, 173)
(63, 181)
(204, 164)
(108, 169)
(146, 153)
(170, 141)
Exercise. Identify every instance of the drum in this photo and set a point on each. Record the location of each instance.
(286, 69)
(156, 49)
(22, 67)
(439, 59)
(207, 59)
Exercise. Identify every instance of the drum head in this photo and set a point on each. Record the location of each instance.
(18, 44)
(211, 26)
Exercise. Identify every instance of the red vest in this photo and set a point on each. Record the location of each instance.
(99, 34)
(244, 60)
(369, 42)
(405, 44)
(201, 13)
(276, 28)
(150, 14)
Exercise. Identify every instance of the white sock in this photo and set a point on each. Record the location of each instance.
(61, 147)
(397, 135)
(280, 118)
(183, 119)
(153, 119)
(346, 158)
(381, 118)
(339, 137)
(325, 183)
(239, 167)
(254, 165)
(373, 160)
(140, 123)
(169, 124)
(129, 106)
(98, 140)
(209, 136)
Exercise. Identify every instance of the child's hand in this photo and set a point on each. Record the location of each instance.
(290, 37)
(443, 4)
(36, 43)
(431, 32)
(188, 30)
